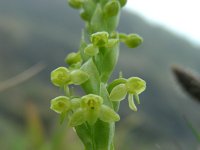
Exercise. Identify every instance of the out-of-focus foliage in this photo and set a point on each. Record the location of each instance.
(33, 31)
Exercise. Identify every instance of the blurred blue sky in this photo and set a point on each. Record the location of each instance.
(179, 16)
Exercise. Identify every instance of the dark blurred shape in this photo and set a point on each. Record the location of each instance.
(188, 81)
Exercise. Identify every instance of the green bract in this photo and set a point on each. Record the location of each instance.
(60, 104)
(93, 115)
(60, 76)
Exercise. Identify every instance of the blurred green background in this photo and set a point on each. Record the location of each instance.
(44, 31)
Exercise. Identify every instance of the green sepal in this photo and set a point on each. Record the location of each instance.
(115, 83)
(118, 93)
(92, 85)
(111, 86)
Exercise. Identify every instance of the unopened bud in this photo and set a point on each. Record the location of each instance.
(78, 76)
(112, 8)
(73, 58)
(133, 40)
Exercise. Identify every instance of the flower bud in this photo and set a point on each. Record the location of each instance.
(60, 104)
(133, 40)
(73, 58)
(100, 38)
(118, 93)
(60, 76)
(78, 76)
(91, 50)
(135, 85)
(77, 4)
(122, 2)
(111, 8)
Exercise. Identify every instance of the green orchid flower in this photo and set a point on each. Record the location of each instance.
(62, 77)
(133, 86)
(61, 104)
(92, 108)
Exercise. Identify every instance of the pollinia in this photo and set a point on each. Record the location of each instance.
(94, 114)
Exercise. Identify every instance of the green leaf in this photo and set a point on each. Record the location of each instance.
(92, 85)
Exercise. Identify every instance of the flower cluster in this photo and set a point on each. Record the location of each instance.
(93, 115)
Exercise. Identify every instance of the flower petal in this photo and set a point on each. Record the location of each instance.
(131, 102)
(77, 118)
(108, 115)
